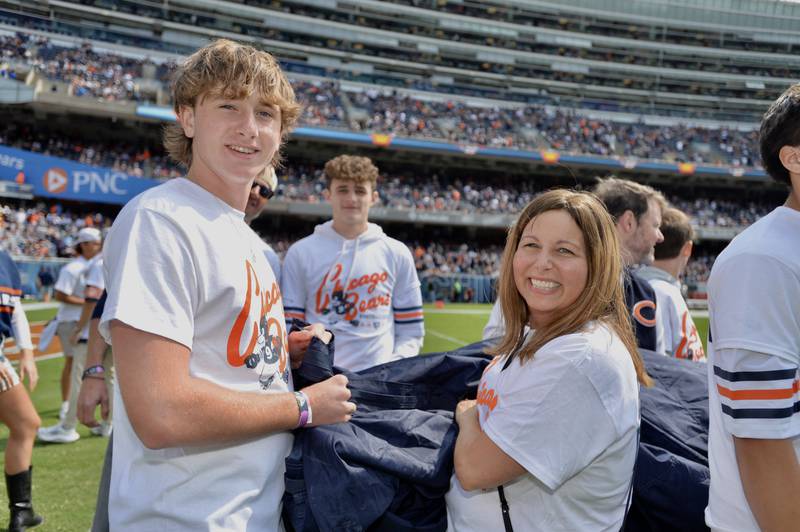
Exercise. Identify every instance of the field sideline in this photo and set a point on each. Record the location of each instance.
(66, 476)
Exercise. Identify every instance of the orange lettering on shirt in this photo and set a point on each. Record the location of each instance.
(487, 396)
(323, 300)
(266, 300)
(354, 302)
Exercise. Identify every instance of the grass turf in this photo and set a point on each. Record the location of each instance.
(66, 475)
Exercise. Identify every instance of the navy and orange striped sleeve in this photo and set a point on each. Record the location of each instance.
(409, 323)
(408, 315)
(759, 394)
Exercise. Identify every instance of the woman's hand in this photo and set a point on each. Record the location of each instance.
(27, 367)
(466, 412)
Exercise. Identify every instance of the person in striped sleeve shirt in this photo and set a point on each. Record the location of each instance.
(353, 278)
(754, 352)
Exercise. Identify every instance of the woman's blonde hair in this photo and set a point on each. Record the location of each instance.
(602, 299)
(230, 70)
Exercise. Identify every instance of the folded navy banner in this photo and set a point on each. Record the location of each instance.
(390, 467)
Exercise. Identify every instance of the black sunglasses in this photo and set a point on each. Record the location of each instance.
(264, 191)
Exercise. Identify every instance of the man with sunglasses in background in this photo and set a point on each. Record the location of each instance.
(263, 189)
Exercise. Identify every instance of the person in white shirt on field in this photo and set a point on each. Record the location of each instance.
(680, 338)
(205, 403)
(70, 291)
(352, 277)
(754, 352)
(553, 431)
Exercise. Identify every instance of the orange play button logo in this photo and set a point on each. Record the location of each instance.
(55, 180)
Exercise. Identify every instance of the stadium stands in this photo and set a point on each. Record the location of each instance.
(113, 77)
(48, 230)
(530, 76)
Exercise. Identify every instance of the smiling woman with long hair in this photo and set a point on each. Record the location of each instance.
(556, 419)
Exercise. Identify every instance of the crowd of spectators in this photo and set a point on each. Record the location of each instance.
(42, 231)
(472, 196)
(532, 126)
(695, 276)
(88, 73)
(539, 127)
(305, 183)
(572, 46)
(48, 231)
(721, 213)
(435, 258)
(140, 159)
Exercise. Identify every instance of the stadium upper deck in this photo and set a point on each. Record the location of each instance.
(85, 72)
(452, 62)
(539, 50)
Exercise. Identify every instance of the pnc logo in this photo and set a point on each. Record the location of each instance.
(55, 180)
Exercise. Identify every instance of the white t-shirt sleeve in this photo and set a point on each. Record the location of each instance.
(550, 419)
(20, 327)
(66, 280)
(758, 394)
(754, 300)
(754, 333)
(94, 276)
(152, 283)
(496, 325)
(294, 285)
(409, 324)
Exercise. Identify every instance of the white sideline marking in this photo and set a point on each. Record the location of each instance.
(445, 337)
(40, 305)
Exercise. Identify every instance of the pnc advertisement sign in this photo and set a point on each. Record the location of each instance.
(61, 178)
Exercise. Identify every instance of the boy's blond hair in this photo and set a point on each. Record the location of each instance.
(351, 168)
(231, 70)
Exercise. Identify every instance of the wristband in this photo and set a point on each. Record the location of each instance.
(96, 370)
(305, 409)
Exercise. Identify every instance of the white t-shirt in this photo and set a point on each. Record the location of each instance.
(94, 279)
(182, 264)
(496, 325)
(753, 355)
(71, 281)
(680, 338)
(569, 416)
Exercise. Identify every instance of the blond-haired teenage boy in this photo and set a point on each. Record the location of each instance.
(195, 317)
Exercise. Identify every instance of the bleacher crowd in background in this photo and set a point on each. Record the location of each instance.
(536, 127)
(47, 231)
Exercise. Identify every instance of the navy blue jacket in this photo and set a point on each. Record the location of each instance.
(640, 298)
(10, 287)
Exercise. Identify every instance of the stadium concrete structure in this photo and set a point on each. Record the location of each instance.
(711, 66)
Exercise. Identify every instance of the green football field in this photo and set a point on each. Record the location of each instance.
(66, 475)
